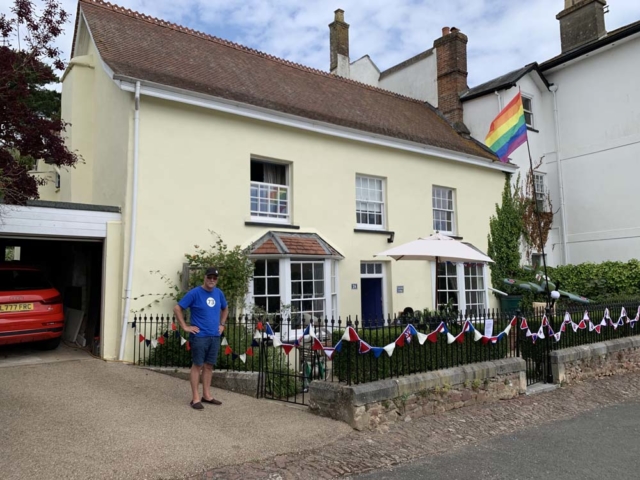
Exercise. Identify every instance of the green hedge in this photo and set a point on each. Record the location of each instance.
(600, 282)
(412, 358)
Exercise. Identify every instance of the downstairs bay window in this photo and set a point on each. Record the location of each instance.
(463, 286)
(303, 290)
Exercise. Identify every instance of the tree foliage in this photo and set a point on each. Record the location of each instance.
(505, 230)
(537, 214)
(30, 123)
(236, 269)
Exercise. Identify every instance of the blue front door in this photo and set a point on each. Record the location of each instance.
(371, 298)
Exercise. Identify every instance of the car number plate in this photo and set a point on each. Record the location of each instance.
(16, 307)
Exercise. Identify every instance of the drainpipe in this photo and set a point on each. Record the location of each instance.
(499, 101)
(565, 252)
(134, 211)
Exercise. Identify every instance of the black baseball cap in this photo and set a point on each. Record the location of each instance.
(211, 271)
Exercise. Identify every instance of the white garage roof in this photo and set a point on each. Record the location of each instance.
(57, 219)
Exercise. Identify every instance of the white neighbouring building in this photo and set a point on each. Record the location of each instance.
(583, 112)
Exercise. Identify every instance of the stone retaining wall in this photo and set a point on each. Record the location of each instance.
(372, 405)
(598, 359)
(245, 383)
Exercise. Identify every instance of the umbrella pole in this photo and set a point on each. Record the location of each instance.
(436, 299)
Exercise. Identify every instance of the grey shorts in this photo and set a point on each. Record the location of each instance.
(204, 349)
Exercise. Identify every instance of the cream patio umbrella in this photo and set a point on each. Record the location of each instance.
(436, 248)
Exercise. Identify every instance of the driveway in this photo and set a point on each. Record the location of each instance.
(73, 416)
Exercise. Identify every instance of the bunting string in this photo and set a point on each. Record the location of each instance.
(264, 331)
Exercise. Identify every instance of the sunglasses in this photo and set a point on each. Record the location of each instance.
(212, 277)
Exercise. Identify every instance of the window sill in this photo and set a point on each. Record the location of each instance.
(371, 230)
(272, 224)
(531, 129)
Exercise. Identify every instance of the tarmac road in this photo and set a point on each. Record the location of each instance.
(601, 444)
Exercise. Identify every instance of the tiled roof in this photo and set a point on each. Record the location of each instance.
(140, 47)
(293, 244)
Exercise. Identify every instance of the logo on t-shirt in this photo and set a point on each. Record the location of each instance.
(211, 302)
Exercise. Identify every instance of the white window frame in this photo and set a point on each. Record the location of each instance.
(477, 290)
(462, 294)
(266, 280)
(331, 296)
(434, 188)
(383, 276)
(383, 189)
(323, 298)
(540, 180)
(267, 217)
(528, 111)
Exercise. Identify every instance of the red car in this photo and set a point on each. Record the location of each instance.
(30, 308)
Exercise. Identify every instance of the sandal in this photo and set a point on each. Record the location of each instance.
(212, 401)
(196, 406)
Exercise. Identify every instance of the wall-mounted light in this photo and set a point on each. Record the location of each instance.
(391, 237)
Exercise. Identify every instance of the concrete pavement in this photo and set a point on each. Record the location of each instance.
(92, 419)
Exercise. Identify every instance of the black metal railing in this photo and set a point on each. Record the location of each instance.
(249, 346)
(535, 351)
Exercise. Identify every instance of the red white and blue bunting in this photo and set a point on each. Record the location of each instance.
(584, 323)
(405, 338)
(265, 331)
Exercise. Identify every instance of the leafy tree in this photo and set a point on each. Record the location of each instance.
(30, 123)
(236, 269)
(505, 229)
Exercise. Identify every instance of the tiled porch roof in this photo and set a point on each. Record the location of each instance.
(294, 244)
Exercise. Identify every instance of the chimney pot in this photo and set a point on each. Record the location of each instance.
(581, 22)
(339, 45)
(451, 64)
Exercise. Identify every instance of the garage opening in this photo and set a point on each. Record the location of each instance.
(74, 267)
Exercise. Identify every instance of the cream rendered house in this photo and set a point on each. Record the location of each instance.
(189, 133)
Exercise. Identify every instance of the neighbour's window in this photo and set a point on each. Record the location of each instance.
(270, 195)
(443, 210)
(370, 202)
(528, 111)
(538, 260)
(540, 191)
(266, 285)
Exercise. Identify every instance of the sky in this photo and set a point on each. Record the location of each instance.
(503, 34)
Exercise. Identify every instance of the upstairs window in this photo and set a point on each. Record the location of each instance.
(370, 202)
(528, 111)
(270, 192)
(443, 210)
(540, 190)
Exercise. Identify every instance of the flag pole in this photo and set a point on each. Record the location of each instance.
(537, 212)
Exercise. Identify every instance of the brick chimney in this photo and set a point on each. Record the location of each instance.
(451, 58)
(339, 40)
(581, 22)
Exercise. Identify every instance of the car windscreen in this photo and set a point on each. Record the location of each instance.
(14, 280)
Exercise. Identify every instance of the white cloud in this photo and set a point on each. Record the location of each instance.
(503, 35)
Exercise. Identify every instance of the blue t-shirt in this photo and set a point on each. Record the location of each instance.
(205, 310)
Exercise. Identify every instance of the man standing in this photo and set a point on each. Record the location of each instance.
(208, 318)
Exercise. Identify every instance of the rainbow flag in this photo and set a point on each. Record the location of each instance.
(508, 131)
